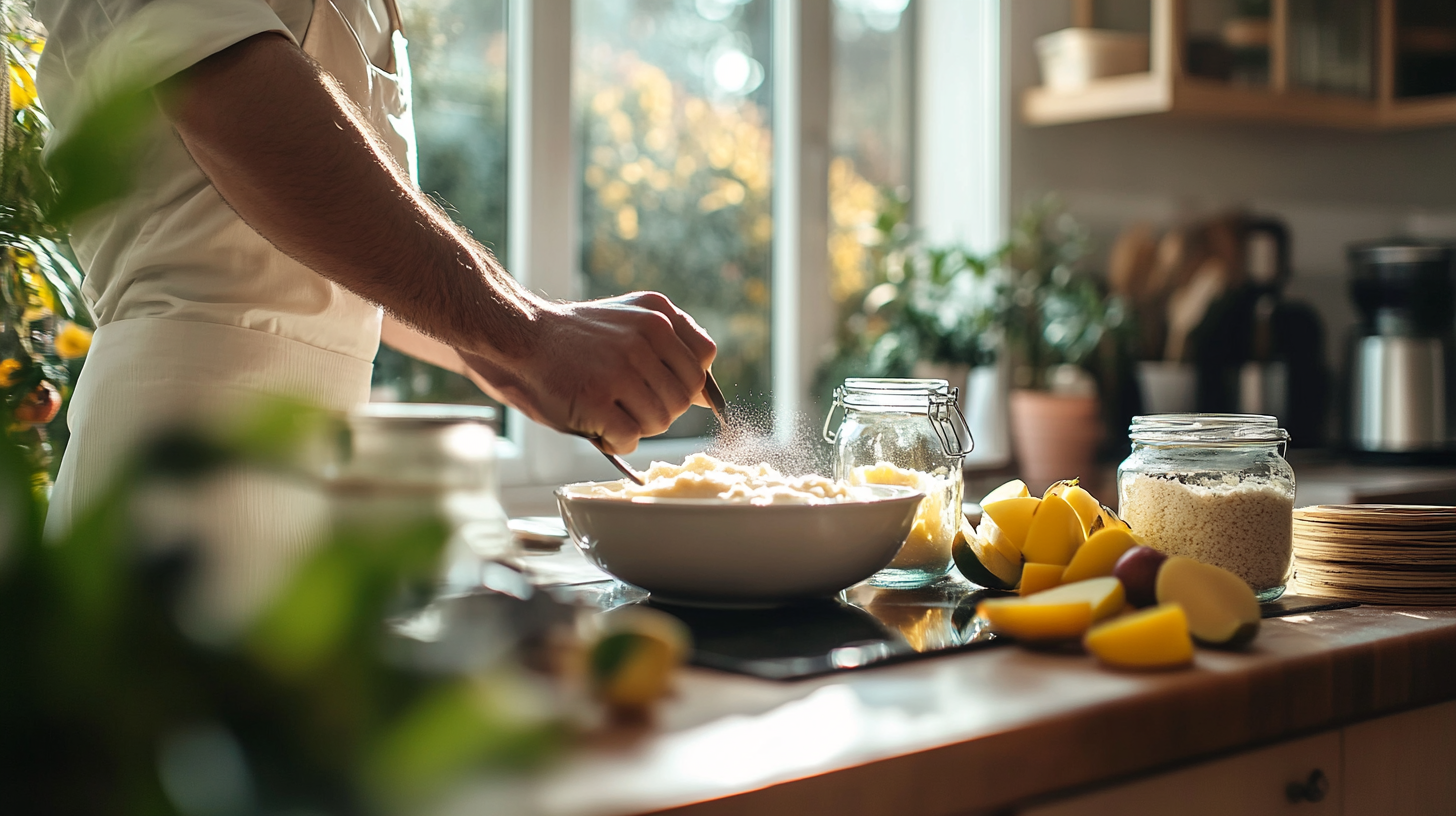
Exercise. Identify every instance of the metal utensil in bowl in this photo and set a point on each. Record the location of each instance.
(720, 410)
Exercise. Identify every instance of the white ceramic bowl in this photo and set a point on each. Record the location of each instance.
(717, 552)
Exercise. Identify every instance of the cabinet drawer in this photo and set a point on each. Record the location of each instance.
(1402, 765)
(1249, 784)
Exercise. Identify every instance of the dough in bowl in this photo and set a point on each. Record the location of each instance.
(702, 476)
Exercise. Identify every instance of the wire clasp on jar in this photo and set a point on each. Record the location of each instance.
(944, 413)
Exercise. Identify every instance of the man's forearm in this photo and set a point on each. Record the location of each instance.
(291, 155)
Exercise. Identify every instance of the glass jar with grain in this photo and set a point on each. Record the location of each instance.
(1215, 488)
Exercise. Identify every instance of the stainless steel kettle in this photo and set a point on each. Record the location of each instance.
(1398, 363)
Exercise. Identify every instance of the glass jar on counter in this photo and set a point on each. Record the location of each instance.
(909, 433)
(1215, 488)
(404, 463)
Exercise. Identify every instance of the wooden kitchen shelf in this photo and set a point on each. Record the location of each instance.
(1169, 89)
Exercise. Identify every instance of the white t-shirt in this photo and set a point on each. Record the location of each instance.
(173, 249)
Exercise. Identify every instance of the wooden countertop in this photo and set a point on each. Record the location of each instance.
(963, 734)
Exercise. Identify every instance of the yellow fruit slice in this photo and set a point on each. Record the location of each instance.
(1054, 534)
(1013, 517)
(1059, 488)
(1221, 608)
(1097, 556)
(1014, 489)
(1038, 577)
(983, 564)
(1029, 620)
(1105, 595)
(1086, 506)
(1072, 493)
(636, 655)
(1155, 638)
(1106, 519)
(887, 474)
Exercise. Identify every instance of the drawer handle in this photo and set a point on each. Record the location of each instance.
(1313, 789)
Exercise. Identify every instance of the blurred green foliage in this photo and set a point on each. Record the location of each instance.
(1056, 312)
(111, 701)
(677, 179)
(1031, 300)
(915, 302)
(40, 297)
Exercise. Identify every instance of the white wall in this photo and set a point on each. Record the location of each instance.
(1331, 187)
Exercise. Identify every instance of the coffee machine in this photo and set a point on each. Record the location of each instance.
(1399, 386)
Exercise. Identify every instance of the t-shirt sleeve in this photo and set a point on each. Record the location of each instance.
(95, 48)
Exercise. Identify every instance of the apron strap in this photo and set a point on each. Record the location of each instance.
(396, 23)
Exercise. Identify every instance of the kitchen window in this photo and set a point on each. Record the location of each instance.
(604, 146)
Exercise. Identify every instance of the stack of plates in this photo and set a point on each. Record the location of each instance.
(1377, 553)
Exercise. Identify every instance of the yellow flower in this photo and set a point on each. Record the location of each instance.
(72, 341)
(22, 87)
(8, 370)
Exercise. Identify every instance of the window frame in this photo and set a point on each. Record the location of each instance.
(543, 206)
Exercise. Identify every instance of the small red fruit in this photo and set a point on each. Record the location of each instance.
(1137, 569)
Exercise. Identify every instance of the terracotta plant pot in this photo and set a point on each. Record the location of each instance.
(1055, 436)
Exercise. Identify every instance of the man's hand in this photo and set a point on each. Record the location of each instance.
(619, 369)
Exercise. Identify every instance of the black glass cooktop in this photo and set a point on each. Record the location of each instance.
(864, 627)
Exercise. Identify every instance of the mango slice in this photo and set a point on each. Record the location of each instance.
(1098, 555)
(1221, 608)
(1074, 494)
(1038, 577)
(1155, 638)
(1054, 534)
(1106, 518)
(983, 564)
(1030, 620)
(1014, 489)
(1105, 595)
(1012, 517)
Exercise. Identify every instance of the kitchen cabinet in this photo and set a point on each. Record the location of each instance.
(1254, 783)
(1377, 93)
(1400, 765)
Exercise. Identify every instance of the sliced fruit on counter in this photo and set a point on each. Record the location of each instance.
(1107, 518)
(1031, 620)
(1138, 570)
(1014, 489)
(635, 655)
(1098, 554)
(1221, 608)
(1054, 534)
(1104, 595)
(1010, 518)
(982, 563)
(1038, 577)
(1154, 638)
(1070, 491)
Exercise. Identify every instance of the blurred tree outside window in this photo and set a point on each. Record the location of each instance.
(673, 102)
(458, 64)
(871, 134)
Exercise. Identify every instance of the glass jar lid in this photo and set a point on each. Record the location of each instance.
(934, 399)
(901, 396)
(1207, 430)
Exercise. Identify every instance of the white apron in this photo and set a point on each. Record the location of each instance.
(145, 373)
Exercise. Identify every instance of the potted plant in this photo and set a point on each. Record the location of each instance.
(921, 311)
(1055, 318)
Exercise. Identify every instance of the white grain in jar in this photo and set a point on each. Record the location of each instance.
(1215, 488)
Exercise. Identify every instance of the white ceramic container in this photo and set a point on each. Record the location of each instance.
(708, 551)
